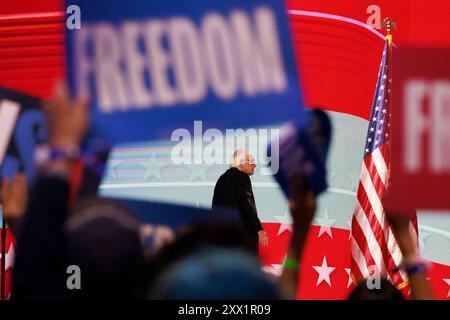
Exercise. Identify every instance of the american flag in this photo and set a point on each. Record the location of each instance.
(374, 247)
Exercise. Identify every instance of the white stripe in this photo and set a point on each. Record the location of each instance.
(394, 248)
(380, 164)
(342, 191)
(372, 243)
(439, 231)
(396, 253)
(359, 259)
(177, 184)
(372, 195)
(203, 184)
(379, 213)
(9, 111)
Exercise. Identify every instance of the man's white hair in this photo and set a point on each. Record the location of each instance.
(238, 158)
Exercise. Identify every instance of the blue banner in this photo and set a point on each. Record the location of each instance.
(23, 128)
(150, 67)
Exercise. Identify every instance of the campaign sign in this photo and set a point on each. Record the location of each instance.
(304, 150)
(22, 126)
(420, 174)
(160, 222)
(150, 67)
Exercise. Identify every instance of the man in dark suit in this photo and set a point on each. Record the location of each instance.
(234, 190)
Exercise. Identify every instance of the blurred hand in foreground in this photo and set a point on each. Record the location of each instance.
(263, 238)
(302, 205)
(67, 119)
(412, 263)
(14, 193)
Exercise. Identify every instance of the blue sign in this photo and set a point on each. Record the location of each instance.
(27, 130)
(24, 127)
(304, 150)
(150, 67)
(160, 222)
(176, 216)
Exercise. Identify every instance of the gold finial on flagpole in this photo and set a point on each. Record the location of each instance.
(388, 24)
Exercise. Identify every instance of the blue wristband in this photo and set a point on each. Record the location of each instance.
(420, 267)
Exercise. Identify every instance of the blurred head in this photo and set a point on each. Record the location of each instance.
(243, 160)
(103, 240)
(386, 291)
(319, 131)
(217, 274)
(190, 240)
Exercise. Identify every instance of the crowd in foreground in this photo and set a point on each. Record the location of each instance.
(209, 260)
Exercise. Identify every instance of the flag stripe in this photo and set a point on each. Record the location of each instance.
(378, 210)
(378, 231)
(361, 240)
(380, 164)
(359, 260)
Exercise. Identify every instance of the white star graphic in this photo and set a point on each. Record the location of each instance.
(324, 272)
(112, 170)
(369, 140)
(379, 97)
(423, 235)
(350, 280)
(333, 176)
(384, 111)
(381, 121)
(374, 119)
(152, 168)
(372, 129)
(325, 224)
(367, 150)
(384, 76)
(447, 281)
(198, 171)
(10, 255)
(285, 221)
(354, 177)
(274, 269)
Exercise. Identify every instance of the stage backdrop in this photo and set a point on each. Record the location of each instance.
(339, 59)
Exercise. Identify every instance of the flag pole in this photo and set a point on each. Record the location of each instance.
(388, 24)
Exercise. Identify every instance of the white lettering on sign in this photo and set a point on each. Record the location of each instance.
(427, 112)
(164, 62)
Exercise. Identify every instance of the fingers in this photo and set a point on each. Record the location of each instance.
(263, 238)
(5, 189)
(13, 187)
(20, 186)
(61, 94)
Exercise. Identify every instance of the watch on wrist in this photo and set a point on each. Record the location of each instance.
(46, 153)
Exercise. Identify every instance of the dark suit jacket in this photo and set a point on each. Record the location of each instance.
(234, 190)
